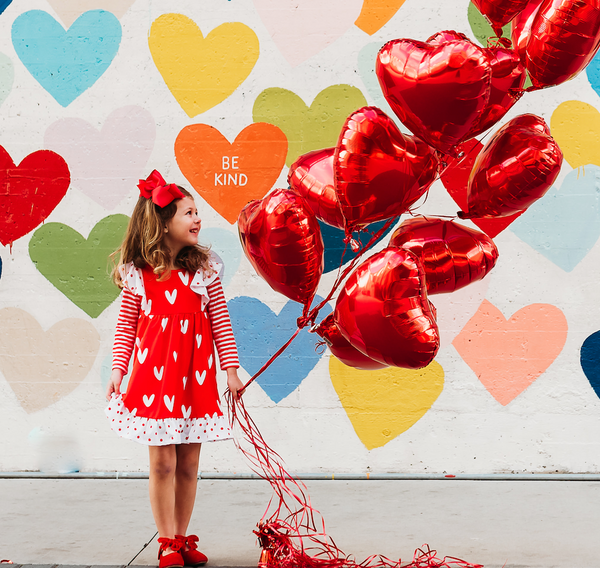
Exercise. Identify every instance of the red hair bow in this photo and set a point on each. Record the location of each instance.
(154, 187)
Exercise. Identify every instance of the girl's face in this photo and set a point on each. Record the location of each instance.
(182, 229)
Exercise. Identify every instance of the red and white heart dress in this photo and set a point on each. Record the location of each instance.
(170, 327)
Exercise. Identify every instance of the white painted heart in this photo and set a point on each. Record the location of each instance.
(200, 377)
(105, 165)
(210, 361)
(184, 277)
(141, 355)
(186, 411)
(148, 401)
(137, 342)
(171, 296)
(175, 355)
(163, 323)
(184, 382)
(146, 306)
(169, 402)
(184, 326)
(159, 374)
(198, 340)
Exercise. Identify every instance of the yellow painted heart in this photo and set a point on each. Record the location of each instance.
(42, 367)
(201, 72)
(575, 126)
(382, 404)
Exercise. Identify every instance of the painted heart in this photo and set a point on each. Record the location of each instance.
(379, 172)
(303, 28)
(77, 266)
(574, 125)
(164, 322)
(589, 358)
(565, 225)
(200, 377)
(105, 164)
(455, 178)
(383, 404)
(453, 256)
(169, 402)
(509, 355)
(69, 10)
(201, 72)
(186, 411)
(175, 355)
(184, 326)
(7, 76)
(366, 69)
(437, 91)
(141, 355)
(376, 13)
(171, 296)
(281, 239)
(30, 191)
(229, 175)
(593, 73)
(311, 176)
(335, 248)
(146, 306)
(40, 366)
(4, 4)
(184, 382)
(515, 168)
(264, 332)
(66, 63)
(198, 340)
(226, 245)
(184, 277)
(148, 400)
(383, 310)
(159, 374)
(308, 128)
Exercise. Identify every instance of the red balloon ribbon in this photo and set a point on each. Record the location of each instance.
(154, 187)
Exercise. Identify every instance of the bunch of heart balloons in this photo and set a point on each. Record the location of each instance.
(446, 90)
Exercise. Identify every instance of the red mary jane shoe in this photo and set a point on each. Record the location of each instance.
(189, 550)
(172, 559)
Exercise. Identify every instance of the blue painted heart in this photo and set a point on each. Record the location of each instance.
(66, 63)
(264, 332)
(590, 360)
(226, 245)
(565, 224)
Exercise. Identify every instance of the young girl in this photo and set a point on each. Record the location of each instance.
(172, 310)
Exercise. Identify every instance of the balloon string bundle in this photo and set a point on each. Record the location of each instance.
(293, 535)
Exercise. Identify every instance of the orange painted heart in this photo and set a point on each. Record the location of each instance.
(229, 175)
(509, 355)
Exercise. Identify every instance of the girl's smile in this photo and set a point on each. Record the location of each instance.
(183, 228)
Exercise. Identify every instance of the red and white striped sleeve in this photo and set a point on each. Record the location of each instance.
(129, 315)
(221, 326)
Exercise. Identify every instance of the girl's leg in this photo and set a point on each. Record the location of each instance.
(186, 481)
(163, 464)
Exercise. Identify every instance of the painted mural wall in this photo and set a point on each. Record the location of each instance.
(222, 96)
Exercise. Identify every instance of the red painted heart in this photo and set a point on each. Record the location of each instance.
(30, 191)
(379, 172)
(437, 91)
(282, 240)
(515, 169)
(311, 176)
(453, 256)
(383, 310)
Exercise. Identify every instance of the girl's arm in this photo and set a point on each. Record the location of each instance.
(223, 336)
(124, 339)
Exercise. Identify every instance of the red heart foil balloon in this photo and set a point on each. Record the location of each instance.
(500, 12)
(379, 172)
(282, 240)
(383, 310)
(311, 176)
(30, 191)
(515, 169)
(521, 28)
(340, 347)
(564, 38)
(437, 91)
(506, 84)
(452, 256)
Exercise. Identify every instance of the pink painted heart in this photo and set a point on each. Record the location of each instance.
(303, 28)
(107, 164)
(509, 355)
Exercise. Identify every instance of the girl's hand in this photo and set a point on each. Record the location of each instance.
(114, 383)
(234, 383)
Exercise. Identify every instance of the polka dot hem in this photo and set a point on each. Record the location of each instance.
(162, 432)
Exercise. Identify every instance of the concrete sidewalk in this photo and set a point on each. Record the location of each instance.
(88, 522)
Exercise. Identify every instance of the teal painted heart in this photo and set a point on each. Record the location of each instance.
(7, 76)
(80, 267)
(565, 224)
(66, 63)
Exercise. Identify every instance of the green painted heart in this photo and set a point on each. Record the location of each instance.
(79, 268)
(308, 128)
